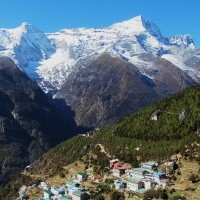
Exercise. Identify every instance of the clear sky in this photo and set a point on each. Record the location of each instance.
(173, 17)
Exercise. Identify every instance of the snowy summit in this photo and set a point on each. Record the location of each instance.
(50, 58)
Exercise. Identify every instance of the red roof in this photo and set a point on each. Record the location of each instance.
(97, 177)
(121, 168)
(118, 165)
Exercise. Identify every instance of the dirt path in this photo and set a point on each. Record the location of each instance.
(103, 150)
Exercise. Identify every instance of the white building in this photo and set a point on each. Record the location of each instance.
(160, 178)
(80, 177)
(119, 184)
(151, 165)
(134, 184)
(43, 185)
(148, 183)
(169, 166)
(71, 187)
(80, 195)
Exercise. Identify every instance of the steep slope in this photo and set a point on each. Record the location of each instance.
(137, 136)
(29, 125)
(107, 89)
(153, 139)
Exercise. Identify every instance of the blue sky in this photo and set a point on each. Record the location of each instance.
(173, 17)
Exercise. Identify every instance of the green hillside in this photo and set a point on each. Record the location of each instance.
(137, 136)
(161, 138)
(156, 139)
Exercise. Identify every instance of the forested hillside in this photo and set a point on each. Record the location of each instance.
(139, 135)
(135, 139)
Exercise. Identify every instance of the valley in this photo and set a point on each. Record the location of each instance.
(99, 113)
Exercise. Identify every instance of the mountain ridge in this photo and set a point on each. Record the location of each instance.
(54, 59)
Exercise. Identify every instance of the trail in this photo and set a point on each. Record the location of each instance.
(103, 150)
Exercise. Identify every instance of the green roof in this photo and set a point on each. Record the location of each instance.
(141, 170)
(132, 180)
(55, 187)
(141, 191)
(47, 191)
(61, 197)
(151, 163)
(64, 198)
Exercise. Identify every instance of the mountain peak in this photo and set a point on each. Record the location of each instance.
(138, 25)
(135, 24)
(183, 41)
(25, 26)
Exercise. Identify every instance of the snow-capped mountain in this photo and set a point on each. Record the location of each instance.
(126, 40)
(51, 57)
(27, 46)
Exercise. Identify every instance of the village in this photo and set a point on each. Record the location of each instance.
(122, 178)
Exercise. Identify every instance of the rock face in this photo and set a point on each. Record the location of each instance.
(108, 89)
(29, 125)
(170, 79)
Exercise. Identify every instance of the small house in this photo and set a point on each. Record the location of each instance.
(80, 195)
(71, 187)
(169, 166)
(113, 162)
(97, 178)
(47, 194)
(80, 177)
(43, 185)
(148, 183)
(119, 184)
(57, 190)
(151, 165)
(134, 184)
(117, 168)
(160, 178)
(119, 171)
